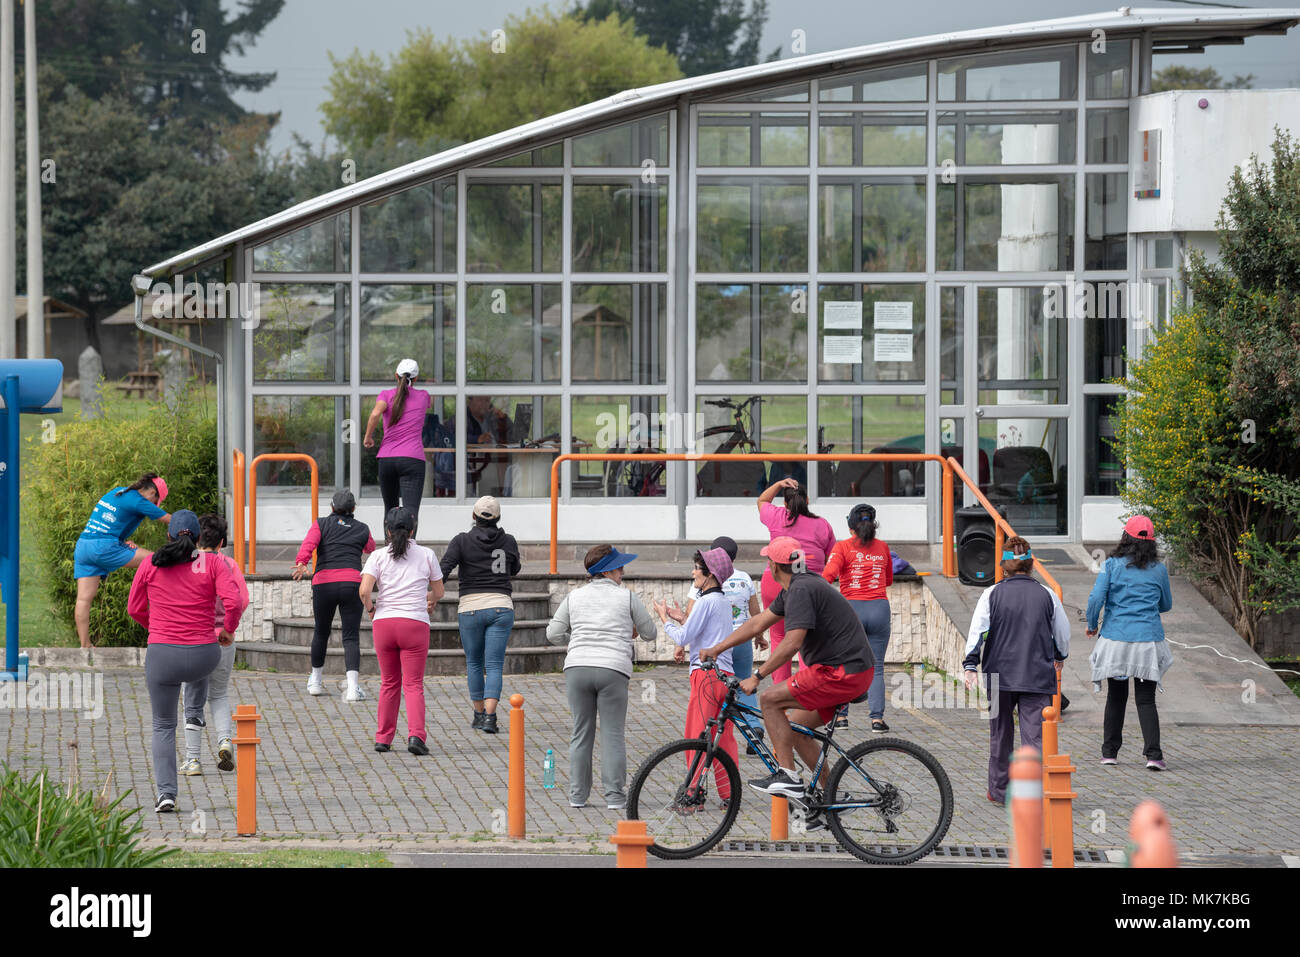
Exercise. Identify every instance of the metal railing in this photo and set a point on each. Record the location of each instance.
(238, 487)
(1001, 529)
(949, 565)
(252, 495)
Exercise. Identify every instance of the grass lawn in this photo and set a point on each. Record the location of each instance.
(287, 857)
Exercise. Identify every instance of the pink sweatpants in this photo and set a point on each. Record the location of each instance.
(402, 647)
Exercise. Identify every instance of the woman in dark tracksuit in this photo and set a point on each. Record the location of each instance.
(488, 558)
(339, 541)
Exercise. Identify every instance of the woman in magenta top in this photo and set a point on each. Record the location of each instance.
(401, 451)
(865, 568)
(814, 535)
(173, 596)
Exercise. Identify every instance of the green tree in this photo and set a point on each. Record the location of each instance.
(1212, 422)
(148, 52)
(1188, 78)
(539, 63)
(706, 36)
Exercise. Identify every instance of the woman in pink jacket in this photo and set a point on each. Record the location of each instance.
(173, 597)
(815, 537)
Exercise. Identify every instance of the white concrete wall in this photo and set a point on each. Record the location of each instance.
(1199, 148)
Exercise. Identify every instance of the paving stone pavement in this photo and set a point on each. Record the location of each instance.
(1231, 790)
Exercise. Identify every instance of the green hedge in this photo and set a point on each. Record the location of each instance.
(71, 469)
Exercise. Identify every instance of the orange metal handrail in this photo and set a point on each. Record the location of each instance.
(949, 569)
(252, 496)
(1001, 528)
(237, 519)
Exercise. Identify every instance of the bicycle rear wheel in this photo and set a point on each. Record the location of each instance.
(678, 798)
(911, 797)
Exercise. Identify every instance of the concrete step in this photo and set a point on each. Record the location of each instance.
(298, 632)
(296, 659)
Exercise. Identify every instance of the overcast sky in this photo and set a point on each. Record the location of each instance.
(296, 44)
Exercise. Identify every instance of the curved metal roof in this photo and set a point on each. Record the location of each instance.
(1195, 27)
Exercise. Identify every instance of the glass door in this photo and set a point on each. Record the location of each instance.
(1003, 401)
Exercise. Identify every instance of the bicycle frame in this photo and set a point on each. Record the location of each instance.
(731, 709)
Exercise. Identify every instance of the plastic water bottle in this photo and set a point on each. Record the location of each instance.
(548, 770)
(22, 666)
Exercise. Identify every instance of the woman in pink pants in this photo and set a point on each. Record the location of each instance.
(409, 582)
(815, 537)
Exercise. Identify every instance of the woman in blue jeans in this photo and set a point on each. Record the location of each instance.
(488, 559)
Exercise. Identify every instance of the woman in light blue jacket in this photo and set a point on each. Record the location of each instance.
(1131, 593)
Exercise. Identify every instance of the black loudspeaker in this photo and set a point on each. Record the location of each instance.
(974, 531)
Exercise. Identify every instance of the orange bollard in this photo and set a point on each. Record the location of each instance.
(780, 826)
(1058, 799)
(246, 742)
(1026, 808)
(630, 842)
(515, 796)
(1153, 838)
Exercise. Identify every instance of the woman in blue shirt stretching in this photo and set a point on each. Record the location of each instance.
(105, 544)
(1131, 593)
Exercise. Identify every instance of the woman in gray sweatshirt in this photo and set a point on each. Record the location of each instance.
(600, 621)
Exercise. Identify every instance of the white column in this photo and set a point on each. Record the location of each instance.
(8, 265)
(35, 261)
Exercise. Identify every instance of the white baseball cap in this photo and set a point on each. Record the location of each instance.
(408, 367)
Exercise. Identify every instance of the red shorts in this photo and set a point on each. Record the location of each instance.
(823, 688)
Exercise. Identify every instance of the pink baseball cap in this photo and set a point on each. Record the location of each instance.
(783, 550)
(161, 486)
(1139, 526)
(718, 562)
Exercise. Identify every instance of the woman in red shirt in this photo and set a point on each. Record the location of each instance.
(865, 568)
(173, 596)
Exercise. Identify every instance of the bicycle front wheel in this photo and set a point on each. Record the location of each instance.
(688, 805)
(909, 798)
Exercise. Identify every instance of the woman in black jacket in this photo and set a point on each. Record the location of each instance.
(488, 558)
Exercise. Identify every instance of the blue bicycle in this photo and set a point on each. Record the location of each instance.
(886, 801)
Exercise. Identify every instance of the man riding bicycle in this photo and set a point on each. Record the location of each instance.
(837, 663)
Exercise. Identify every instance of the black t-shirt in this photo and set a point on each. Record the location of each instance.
(835, 635)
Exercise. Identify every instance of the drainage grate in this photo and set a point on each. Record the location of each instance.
(948, 852)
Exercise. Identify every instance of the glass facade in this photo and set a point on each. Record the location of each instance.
(887, 260)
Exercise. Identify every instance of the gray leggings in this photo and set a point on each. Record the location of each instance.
(166, 668)
(218, 702)
(592, 692)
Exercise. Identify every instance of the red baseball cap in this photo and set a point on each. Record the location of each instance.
(161, 486)
(783, 550)
(1139, 526)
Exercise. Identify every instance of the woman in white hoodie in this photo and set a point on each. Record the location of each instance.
(599, 621)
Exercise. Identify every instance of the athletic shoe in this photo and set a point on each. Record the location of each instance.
(1065, 702)
(416, 746)
(878, 726)
(781, 783)
(615, 807)
(842, 721)
(225, 755)
(1156, 766)
(354, 694)
(1109, 761)
(477, 723)
(574, 805)
(195, 724)
(489, 724)
(381, 747)
(990, 796)
(191, 767)
(165, 804)
(315, 686)
(814, 822)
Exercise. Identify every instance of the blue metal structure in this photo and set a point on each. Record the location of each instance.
(26, 386)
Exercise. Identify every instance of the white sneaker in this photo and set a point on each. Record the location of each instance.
(315, 686)
(354, 694)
